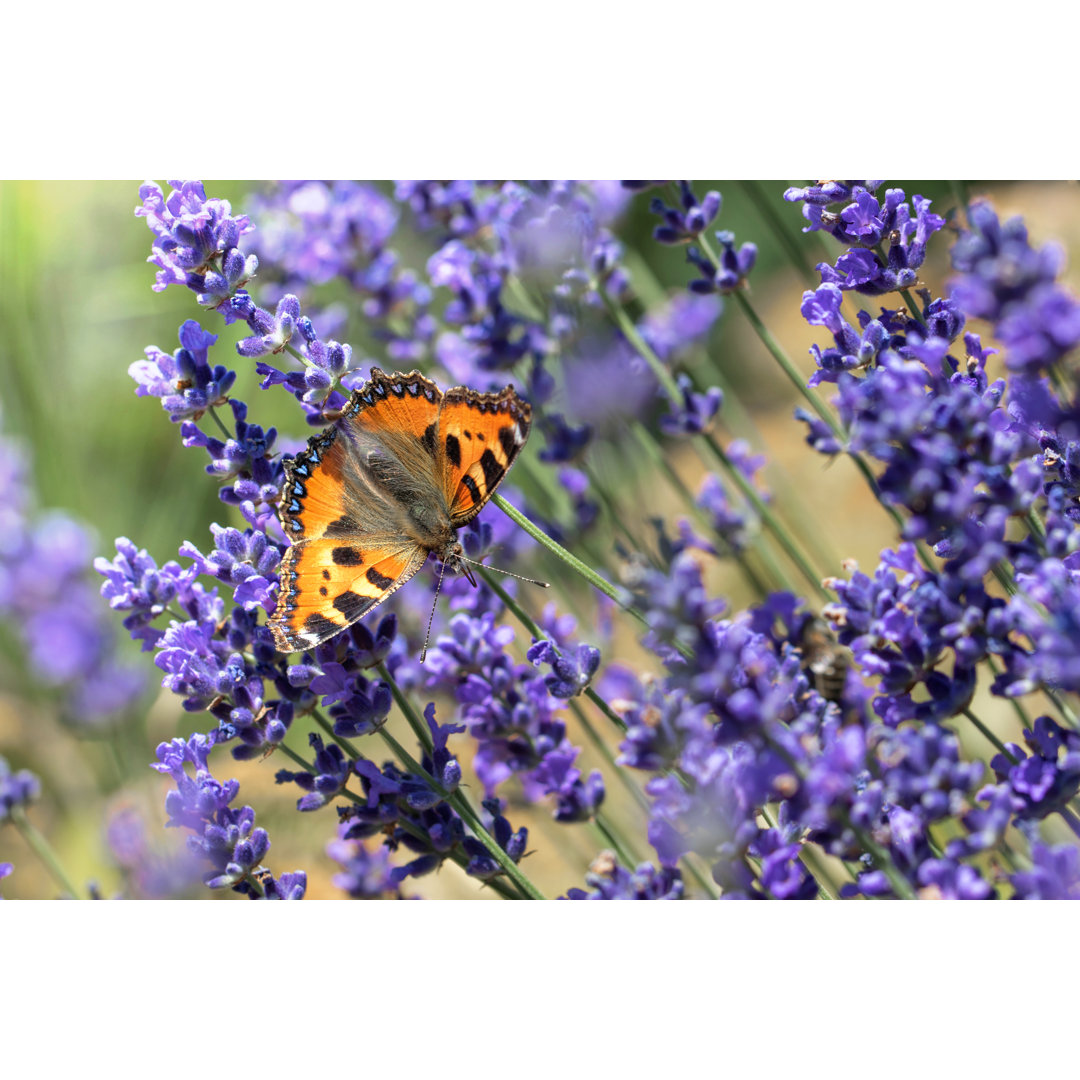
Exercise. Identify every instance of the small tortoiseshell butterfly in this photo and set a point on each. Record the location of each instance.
(387, 485)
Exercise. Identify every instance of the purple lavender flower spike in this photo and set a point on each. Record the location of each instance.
(865, 223)
(564, 441)
(365, 874)
(291, 886)
(1006, 281)
(220, 833)
(576, 799)
(946, 880)
(271, 334)
(481, 863)
(733, 269)
(683, 225)
(359, 706)
(324, 785)
(57, 627)
(195, 241)
(695, 413)
(783, 876)
(185, 381)
(247, 561)
(1054, 875)
(441, 763)
(17, 789)
(571, 669)
(151, 869)
(1049, 777)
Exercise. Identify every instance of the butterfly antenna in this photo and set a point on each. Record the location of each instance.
(508, 573)
(431, 617)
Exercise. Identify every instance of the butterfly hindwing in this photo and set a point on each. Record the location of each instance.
(327, 584)
(481, 435)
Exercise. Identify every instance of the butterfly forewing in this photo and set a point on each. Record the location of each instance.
(481, 436)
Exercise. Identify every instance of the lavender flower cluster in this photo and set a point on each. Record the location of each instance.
(823, 742)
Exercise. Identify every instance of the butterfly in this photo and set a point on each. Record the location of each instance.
(388, 484)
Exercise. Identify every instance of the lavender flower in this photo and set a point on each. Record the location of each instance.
(1006, 281)
(1046, 779)
(572, 670)
(195, 241)
(609, 881)
(17, 789)
(322, 786)
(682, 225)
(244, 560)
(1054, 875)
(225, 836)
(866, 223)
(695, 413)
(151, 870)
(729, 272)
(366, 874)
(185, 381)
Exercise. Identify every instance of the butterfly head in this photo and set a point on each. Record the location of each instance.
(454, 558)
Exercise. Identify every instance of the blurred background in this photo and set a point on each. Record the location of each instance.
(77, 309)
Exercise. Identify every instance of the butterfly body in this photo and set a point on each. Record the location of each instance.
(390, 483)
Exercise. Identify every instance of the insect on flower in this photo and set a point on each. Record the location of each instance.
(825, 660)
(390, 483)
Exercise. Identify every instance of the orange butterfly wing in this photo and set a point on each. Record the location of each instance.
(327, 585)
(481, 435)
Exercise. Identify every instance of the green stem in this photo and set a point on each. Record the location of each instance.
(42, 849)
(738, 420)
(590, 575)
(418, 724)
(1021, 712)
(642, 347)
(772, 522)
(1070, 819)
(988, 734)
(1065, 711)
(795, 377)
(614, 841)
(900, 884)
(217, 420)
(764, 206)
(960, 194)
(667, 381)
(656, 456)
(613, 514)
